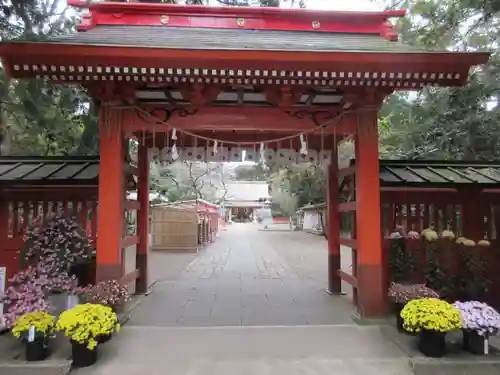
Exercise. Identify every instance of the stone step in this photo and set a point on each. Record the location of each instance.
(12, 358)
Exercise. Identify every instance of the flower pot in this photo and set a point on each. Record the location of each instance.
(474, 343)
(399, 320)
(432, 343)
(101, 339)
(83, 356)
(36, 350)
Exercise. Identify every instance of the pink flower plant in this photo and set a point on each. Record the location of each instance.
(108, 293)
(479, 317)
(402, 294)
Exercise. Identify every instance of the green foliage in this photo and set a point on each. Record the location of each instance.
(39, 117)
(252, 172)
(447, 123)
(401, 261)
(472, 279)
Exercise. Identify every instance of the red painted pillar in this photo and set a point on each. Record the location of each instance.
(333, 226)
(141, 258)
(111, 195)
(372, 291)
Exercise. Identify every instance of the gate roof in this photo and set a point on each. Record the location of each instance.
(162, 43)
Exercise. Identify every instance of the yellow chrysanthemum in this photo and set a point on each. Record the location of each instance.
(43, 323)
(430, 235)
(84, 323)
(483, 243)
(448, 234)
(430, 314)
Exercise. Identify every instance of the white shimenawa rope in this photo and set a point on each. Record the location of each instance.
(274, 140)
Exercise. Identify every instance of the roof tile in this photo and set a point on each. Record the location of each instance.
(230, 39)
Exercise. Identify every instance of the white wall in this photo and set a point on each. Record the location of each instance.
(312, 221)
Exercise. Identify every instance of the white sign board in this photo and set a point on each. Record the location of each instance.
(3, 276)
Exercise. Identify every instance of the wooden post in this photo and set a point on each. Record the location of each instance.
(111, 188)
(371, 279)
(141, 257)
(333, 226)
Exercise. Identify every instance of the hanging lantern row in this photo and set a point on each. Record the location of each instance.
(255, 152)
(235, 154)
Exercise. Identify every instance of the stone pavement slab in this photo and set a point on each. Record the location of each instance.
(246, 278)
(313, 350)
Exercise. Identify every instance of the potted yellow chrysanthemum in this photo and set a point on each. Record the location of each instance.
(84, 324)
(35, 329)
(432, 318)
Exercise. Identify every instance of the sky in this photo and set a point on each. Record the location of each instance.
(359, 5)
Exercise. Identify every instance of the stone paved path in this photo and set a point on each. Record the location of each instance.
(252, 303)
(247, 277)
(295, 350)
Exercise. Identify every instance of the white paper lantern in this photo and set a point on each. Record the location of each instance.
(188, 154)
(310, 157)
(285, 156)
(194, 154)
(235, 154)
(325, 157)
(270, 155)
(251, 155)
(219, 156)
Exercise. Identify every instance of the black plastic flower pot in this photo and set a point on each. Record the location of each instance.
(399, 320)
(101, 339)
(432, 343)
(83, 356)
(36, 350)
(474, 343)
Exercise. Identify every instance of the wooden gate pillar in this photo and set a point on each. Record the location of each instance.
(333, 226)
(372, 291)
(111, 195)
(141, 257)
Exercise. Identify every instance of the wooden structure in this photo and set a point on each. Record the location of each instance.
(32, 187)
(463, 196)
(312, 218)
(184, 226)
(241, 77)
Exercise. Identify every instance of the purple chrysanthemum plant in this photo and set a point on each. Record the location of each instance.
(58, 241)
(28, 290)
(402, 294)
(479, 317)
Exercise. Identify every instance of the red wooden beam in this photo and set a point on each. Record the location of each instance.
(129, 277)
(64, 54)
(348, 278)
(347, 207)
(131, 205)
(349, 242)
(344, 172)
(237, 119)
(129, 241)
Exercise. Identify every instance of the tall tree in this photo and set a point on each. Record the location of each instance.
(39, 116)
(444, 123)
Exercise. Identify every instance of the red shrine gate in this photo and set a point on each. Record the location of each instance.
(236, 75)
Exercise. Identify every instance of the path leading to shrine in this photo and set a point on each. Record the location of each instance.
(248, 277)
(251, 303)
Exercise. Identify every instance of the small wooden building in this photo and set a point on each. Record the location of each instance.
(184, 225)
(312, 218)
